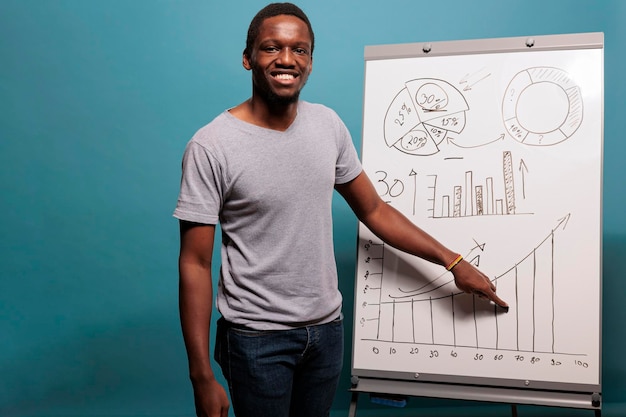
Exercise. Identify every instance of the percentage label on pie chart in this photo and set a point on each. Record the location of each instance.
(422, 114)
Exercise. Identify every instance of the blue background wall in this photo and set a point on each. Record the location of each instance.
(98, 99)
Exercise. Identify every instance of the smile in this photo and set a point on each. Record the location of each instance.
(285, 77)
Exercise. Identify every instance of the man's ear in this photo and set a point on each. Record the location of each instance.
(246, 62)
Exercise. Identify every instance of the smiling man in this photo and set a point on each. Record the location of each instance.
(279, 52)
(266, 171)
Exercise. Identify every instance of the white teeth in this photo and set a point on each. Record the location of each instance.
(284, 76)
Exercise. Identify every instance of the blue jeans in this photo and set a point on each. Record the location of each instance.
(283, 373)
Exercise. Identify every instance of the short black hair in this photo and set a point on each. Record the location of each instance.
(271, 10)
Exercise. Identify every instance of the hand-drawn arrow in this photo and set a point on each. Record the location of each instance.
(465, 80)
(414, 175)
(523, 169)
(453, 142)
(562, 222)
(474, 260)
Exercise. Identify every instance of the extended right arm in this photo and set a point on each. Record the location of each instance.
(195, 305)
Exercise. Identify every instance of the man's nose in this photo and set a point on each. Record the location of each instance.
(286, 57)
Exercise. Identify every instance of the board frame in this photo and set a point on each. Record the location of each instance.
(587, 396)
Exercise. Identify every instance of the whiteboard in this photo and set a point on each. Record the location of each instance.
(495, 148)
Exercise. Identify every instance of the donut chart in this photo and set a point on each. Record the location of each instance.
(421, 115)
(542, 106)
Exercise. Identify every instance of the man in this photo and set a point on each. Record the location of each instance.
(266, 170)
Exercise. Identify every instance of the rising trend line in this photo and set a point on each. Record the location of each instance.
(562, 223)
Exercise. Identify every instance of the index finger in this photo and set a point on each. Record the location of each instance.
(491, 295)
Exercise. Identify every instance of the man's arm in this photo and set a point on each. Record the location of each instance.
(395, 229)
(195, 305)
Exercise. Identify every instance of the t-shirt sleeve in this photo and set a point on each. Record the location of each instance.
(199, 200)
(348, 164)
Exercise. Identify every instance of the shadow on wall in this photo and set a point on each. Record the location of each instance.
(613, 319)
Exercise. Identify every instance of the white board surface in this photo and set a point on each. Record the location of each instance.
(499, 156)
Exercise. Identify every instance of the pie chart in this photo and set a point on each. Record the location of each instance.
(422, 114)
(542, 106)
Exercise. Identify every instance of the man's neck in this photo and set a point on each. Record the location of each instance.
(275, 116)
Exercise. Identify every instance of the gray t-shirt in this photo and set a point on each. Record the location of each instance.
(271, 193)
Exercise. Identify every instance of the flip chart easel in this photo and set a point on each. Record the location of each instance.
(494, 147)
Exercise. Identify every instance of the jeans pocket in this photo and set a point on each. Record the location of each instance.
(241, 331)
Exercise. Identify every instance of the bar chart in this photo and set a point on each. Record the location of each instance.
(476, 197)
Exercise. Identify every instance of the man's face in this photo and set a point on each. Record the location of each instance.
(280, 59)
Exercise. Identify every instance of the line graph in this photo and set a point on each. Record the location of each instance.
(435, 312)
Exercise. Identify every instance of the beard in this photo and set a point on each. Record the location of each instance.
(278, 100)
(270, 96)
